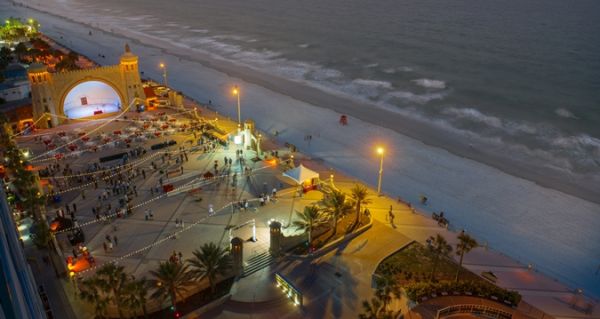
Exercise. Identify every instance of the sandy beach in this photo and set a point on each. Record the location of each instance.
(514, 215)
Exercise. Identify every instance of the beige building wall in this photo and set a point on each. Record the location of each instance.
(48, 90)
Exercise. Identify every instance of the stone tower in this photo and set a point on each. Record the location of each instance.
(131, 75)
(42, 94)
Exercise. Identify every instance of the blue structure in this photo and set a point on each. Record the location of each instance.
(19, 297)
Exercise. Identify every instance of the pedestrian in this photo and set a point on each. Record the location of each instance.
(83, 194)
(211, 210)
(274, 192)
(107, 238)
(180, 256)
(105, 247)
(110, 245)
(116, 240)
(74, 207)
(144, 173)
(68, 208)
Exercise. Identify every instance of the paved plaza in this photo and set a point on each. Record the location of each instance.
(333, 285)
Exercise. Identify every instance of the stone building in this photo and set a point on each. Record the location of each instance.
(58, 97)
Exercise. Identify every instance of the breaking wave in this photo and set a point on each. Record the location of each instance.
(432, 84)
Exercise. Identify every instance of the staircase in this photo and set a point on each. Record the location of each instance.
(256, 263)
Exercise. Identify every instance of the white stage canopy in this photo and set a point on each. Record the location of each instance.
(300, 174)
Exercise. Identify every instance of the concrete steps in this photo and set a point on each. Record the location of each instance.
(256, 263)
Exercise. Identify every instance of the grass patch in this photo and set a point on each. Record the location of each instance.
(414, 263)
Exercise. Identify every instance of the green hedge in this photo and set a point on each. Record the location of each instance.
(416, 291)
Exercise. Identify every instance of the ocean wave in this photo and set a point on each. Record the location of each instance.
(563, 112)
(478, 117)
(396, 70)
(373, 83)
(432, 84)
(304, 45)
(416, 98)
(372, 65)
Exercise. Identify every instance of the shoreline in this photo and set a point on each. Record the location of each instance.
(324, 97)
(421, 131)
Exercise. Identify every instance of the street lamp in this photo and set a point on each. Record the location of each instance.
(380, 151)
(164, 67)
(236, 92)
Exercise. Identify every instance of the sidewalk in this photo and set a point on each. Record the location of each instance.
(336, 284)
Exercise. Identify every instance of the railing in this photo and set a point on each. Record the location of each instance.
(477, 310)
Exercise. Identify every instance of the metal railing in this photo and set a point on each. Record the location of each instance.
(477, 310)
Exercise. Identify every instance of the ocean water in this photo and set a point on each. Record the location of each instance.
(521, 75)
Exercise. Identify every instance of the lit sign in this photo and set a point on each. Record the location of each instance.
(288, 288)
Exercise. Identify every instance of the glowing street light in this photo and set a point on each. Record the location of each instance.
(380, 151)
(236, 92)
(164, 68)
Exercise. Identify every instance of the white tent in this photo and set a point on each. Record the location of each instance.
(301, 174)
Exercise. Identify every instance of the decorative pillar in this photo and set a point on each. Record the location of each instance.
(275, 231)
(237, 254)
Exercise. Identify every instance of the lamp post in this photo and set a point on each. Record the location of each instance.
(380, 152)
(164, 68)
(236, 92)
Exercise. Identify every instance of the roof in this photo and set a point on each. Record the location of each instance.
(300, 174)
(37, 67)
(128, 56)
(15, 70)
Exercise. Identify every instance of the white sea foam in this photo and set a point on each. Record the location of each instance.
(563, 112)
(417, 98)
(399, 69)
(372, 65)
(304, 45)
(432, 84)
(476, 116)
(373, 83)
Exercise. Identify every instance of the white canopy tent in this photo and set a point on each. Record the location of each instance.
(301, 174)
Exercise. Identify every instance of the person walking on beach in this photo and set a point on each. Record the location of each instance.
(391, 216)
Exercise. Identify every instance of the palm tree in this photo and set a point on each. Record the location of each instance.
(310, 218)
(114, 280)
(91, 290)
(208, 262)
(336, 206)
(171, 279)
(20, 50)
(360, 195)
(387, 288)
(371, 309)
(135, 295)
(42, 234)
(465, 244)
(440, 248)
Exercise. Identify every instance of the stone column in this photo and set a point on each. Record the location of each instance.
(237, 254)
(275, 231)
